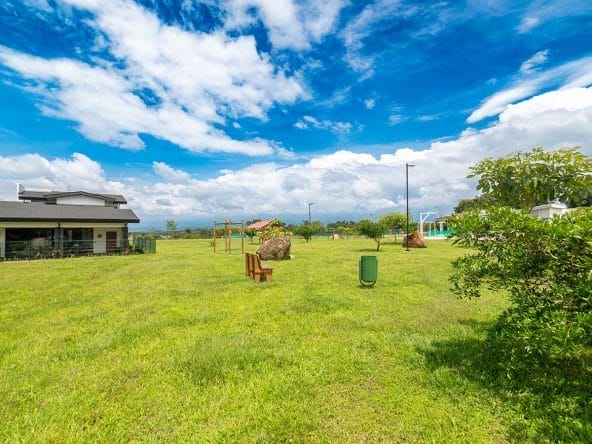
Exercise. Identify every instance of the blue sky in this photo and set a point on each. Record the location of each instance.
(201, 111)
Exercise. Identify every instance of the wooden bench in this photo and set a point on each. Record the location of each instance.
(256, 269)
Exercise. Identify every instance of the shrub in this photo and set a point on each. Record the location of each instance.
(546, 268)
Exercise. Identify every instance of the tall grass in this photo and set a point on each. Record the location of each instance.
(181, 346)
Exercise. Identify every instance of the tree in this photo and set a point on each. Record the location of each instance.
(171, 227)
(307, 231)
(341, 224)
(478, 202)
(523, 180)
(393, 221)
(545, 266)
(188, 233)
(276, 228)
(373, 230)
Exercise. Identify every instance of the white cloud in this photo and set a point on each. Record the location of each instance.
(577, 73)
(532, 64)
(369, 103)
(528, 23)
(290, 24)
(428, 117)
(395, 119)
(195, 81)
(382, 14)
(37, 172)
(170, 174)
(340, 183)
(542, 11)
(40, 4)
(336, 127)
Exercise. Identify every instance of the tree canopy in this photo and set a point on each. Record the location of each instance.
(393, 221)
(307, 231)
(475, 203)
(373, 230)
(526, 179)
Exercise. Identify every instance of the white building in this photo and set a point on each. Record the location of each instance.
(547, 211)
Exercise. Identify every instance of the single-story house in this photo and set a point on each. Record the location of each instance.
(63, 223)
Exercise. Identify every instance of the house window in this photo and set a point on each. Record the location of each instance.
(24, 241)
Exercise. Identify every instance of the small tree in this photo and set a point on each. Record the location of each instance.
(171, 227)
(307, 231)
(373, 230)
(393, 221)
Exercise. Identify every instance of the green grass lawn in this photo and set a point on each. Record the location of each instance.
(181, 346)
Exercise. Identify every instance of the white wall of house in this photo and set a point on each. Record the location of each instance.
(2, 241)
(80, 200)
(547, 211)
(100, 238)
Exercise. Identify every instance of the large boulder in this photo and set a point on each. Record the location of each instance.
(275, 249)
(415, 240)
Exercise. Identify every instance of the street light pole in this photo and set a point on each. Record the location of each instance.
(407, 166)
(309, 219)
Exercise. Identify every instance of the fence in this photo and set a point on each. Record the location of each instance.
(144, 245)
(46, 249)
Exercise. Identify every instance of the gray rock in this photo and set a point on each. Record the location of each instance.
(275, 249)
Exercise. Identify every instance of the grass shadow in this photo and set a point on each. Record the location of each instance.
(555, 402)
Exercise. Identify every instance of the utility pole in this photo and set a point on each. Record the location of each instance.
(407, 166)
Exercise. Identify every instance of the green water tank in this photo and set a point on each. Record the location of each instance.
(368, 270)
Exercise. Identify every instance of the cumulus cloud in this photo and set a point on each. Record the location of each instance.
(170, 174)
(369, 103)
(173, 84)
(290, 24)
(577, 73)
(343, 182)
(77, 173)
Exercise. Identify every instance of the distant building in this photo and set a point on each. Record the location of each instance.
(547, 211)
(63, 223)
(262, 224)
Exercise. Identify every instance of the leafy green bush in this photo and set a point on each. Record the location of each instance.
(276, 228)
(546, 268)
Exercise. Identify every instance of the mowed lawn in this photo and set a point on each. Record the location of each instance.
(181, 346)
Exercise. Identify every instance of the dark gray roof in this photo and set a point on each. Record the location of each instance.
(32, 211)
(52, 195)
